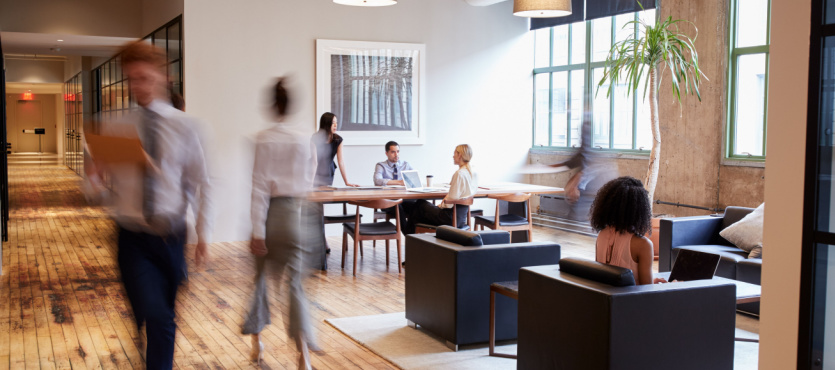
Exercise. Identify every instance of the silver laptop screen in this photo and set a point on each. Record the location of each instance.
(412, 179)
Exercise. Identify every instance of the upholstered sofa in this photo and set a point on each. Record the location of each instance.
(448, 281)
(593, 317)
(701, 233)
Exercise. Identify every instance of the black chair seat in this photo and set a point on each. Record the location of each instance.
(504, 220)
(336, 219)
(376, 228)
(433, 227)
(476, 212)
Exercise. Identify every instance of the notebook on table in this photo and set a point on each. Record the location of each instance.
(412, 181)
(694, 265)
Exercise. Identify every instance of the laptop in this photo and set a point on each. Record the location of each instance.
(694, 265)
(412, 181)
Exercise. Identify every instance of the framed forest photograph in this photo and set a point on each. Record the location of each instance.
(374, 88)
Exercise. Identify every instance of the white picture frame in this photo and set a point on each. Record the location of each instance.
(376, 89)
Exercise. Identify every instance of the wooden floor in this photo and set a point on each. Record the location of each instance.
(62, 305)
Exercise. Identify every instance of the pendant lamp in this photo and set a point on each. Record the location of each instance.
(541, 8)
(366, 2)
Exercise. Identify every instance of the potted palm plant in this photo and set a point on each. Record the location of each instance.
(643, 58)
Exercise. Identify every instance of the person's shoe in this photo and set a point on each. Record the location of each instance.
(328, 251)
(257, 353)
(403, 263)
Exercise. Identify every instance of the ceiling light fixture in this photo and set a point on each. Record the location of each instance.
(366, 2)
(541, 8)
(60, 40)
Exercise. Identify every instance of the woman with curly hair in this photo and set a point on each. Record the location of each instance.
(622, 215)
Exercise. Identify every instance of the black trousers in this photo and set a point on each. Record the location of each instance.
(424, 212)
(152, 268)
(406, 208)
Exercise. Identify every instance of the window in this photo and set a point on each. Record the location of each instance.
(111, 93)
(569, 62)
(748, 76)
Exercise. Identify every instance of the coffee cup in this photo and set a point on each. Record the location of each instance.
(429, 181)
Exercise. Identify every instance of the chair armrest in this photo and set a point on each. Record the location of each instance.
(680, 231)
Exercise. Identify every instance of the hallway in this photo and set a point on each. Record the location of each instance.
(62, 306)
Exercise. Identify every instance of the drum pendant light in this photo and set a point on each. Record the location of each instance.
(366, 2)
(541, 8)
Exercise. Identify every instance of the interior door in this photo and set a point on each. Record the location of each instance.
(29, 116)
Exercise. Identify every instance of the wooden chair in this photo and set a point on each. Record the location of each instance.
(338, 219)
(372, 231)
(508, 222)
(425, 228)
(379, 214)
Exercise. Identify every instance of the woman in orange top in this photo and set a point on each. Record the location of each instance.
(621, 213)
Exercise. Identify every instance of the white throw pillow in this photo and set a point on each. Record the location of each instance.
(746, 233)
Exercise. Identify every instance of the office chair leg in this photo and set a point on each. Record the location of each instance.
(387, 257)
(344, 247)
(399, 257)
(361, 254)
(356, 247)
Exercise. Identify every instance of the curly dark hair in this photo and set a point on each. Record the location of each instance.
(623, 204)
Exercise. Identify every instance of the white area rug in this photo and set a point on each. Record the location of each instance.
(388, 336)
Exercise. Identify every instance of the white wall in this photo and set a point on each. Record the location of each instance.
(34, 71)
(80, 17)
(788, 79)
(155, 13)
(478, 82)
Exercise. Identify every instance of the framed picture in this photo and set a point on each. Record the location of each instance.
(376, 90)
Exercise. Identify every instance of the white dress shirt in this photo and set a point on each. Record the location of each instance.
(182, 179)
(461, 186)
(285, 164)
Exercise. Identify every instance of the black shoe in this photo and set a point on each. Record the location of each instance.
(403, 264)
(327, 251)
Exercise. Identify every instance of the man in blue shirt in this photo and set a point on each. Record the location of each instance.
(390, 172)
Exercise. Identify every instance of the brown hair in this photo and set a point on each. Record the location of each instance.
(281, 98)
(141, 51)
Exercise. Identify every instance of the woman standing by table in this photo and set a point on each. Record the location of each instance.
(328, 145)
(461, 186)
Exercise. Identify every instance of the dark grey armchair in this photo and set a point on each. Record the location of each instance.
(580, 320)
(701, 233)
(448, 281)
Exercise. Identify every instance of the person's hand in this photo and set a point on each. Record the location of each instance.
(397, 182)
(351, 185)
(201, 254)
(659, 281)
(258, 247)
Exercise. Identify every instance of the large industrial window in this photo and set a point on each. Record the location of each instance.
(748, 77)
(569, 63)
(111, 93)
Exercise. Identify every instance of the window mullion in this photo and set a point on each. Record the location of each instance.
(635, 96)
(612, 96)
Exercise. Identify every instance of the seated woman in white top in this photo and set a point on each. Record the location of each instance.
(621, 213)
(461, 186)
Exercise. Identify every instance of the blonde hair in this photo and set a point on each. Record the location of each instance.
(466, 154)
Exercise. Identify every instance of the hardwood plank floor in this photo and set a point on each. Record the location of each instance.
(62, 304)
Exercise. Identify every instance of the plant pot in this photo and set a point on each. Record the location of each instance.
(655, 236)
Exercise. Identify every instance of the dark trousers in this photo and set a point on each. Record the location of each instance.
(406, 208)
(424, 212)
(152, 268)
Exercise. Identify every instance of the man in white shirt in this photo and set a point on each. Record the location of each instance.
(149, 200)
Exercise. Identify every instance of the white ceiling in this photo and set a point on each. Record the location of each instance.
(48, 44)
(482, 2)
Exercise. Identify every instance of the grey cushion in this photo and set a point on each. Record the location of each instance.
(504, 220)
(596, 271)
(375, 228)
